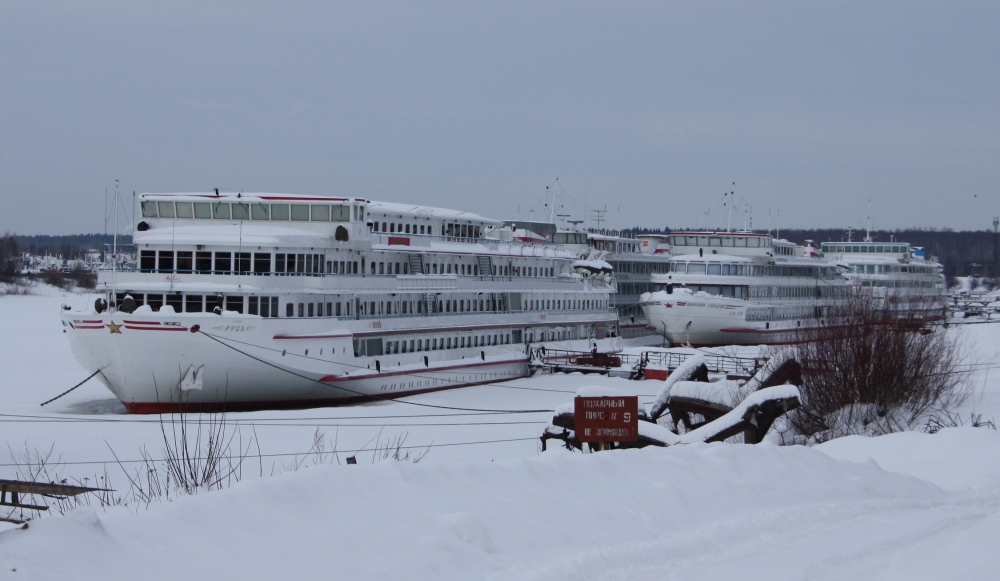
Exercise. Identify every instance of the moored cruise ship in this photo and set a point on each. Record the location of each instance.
(248, 301)
(900, 276)
(741, 288)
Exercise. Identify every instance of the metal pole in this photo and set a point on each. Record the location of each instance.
(996, 222)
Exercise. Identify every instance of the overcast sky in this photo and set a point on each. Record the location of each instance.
(652, 110)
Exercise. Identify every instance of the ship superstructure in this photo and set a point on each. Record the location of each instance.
(900, 276)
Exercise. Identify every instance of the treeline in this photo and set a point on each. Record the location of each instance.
(963, 253)
(8, 254)
(71, 247)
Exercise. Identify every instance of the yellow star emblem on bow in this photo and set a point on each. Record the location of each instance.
(114, 328)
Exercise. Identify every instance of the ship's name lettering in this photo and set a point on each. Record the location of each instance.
(234, 328)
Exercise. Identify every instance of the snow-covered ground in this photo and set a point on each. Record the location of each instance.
(905, 506)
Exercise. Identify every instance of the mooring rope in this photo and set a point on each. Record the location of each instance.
(91, 376)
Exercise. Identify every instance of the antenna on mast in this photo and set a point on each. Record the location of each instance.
(104, 239)
(870, 220)
(599, 216)
(114, 254)
(729, 210)
(552, 212)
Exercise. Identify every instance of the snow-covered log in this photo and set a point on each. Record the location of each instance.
(711, 401)
(684, 372)
(780, 368)
(753, 416)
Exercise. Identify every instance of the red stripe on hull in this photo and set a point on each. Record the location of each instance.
(156, 328)
(287, 337)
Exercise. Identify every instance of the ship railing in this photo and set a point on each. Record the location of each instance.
(730, 365)
(428, 280)
(547, 312)
(422, 240)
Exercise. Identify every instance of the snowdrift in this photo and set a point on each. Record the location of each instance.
(556, 516)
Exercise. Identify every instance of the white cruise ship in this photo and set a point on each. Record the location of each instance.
(248, 301)
(741, 288)
(897, 274)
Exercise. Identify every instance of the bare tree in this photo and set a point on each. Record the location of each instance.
(875, 366)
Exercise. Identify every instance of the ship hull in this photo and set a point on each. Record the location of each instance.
(711, 321)
(186, 362)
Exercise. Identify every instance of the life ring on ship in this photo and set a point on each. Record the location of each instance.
(573, 359)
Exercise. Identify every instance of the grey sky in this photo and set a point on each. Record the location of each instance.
(653, 108)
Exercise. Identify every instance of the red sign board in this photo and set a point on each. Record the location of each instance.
(607, 419)
(398, 241)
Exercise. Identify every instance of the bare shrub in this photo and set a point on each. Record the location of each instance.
(34, 465)
(199, 454)
(874, 370)
(938, 421)
(395, 448)
(19, 287)
(324, 451)
(56, 279)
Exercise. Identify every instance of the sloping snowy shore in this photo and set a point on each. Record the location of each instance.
(904, 506)
(702, 511)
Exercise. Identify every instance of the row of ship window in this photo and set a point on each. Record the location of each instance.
(748, 269)
(188, 303)
(783, 313)
(640, 267)
(767, 292)
(721, 241)
(252, 211)
(268, 306)
(453, 230)
(902, 283)
(260, 263)
(797, 292)
(888, 268)
(865, 248)
(378, 346)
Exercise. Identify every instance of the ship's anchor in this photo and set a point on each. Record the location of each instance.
(192, 379)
